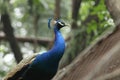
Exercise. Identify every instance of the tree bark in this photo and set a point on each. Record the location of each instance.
(35, 24)
(72, 53)
(101, 60)
(97, 60)
(113, 7)
(57, 9)
(75, 11)
(40, 41)
(9, 33)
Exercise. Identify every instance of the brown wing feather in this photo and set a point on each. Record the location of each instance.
(20, 66)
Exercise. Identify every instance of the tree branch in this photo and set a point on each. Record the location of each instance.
(8, 30)
(57, 9)
(40, 41)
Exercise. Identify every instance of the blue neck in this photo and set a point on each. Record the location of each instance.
(53, 56)
(59, 46)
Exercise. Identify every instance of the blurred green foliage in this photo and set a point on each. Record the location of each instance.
(93, 20)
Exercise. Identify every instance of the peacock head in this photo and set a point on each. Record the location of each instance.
(57, 23)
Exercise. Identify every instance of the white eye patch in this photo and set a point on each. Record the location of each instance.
(61, 23)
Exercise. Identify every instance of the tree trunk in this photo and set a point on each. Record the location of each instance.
(9, 33)
(76, 37)
(75, 11)
(113, 7)
(101, 60)
(57, 9)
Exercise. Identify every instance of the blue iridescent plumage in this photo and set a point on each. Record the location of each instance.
(45, 65)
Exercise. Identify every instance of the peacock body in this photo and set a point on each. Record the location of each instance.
(45, 65)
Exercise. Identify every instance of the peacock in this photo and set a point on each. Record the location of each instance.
(43, 66)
